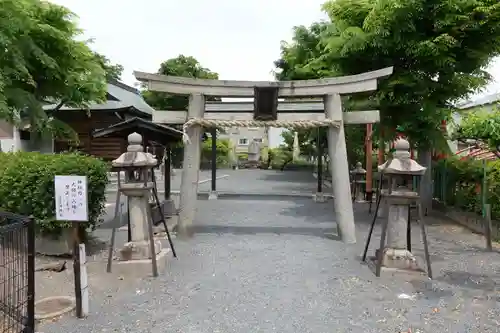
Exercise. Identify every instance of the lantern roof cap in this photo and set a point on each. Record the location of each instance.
(358, 170)
(135, 155)
(401, 162)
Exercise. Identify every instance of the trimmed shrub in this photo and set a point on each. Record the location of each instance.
(459, 183)
(27, 185)
(222, 149)
(299, 165)
(242, 156)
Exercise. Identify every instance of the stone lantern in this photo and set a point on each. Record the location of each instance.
(395, 254)
(358, 178)
(142, 249)
(254, 151)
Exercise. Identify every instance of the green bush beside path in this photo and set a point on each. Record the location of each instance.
(27, 185)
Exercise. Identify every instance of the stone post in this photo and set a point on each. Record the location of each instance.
(340, 171)
(191, 167)
(233, 156)
(296, 147)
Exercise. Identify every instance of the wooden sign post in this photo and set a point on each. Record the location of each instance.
(72, 205)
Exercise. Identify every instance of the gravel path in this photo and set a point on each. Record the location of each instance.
(276, 266)
(271, 182)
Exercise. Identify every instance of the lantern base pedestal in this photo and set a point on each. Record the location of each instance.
(212, 195)
(142, 267)
(139, 250)
(397, 262)
(361, 199)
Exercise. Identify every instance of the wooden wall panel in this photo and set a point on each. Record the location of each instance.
(106, 148)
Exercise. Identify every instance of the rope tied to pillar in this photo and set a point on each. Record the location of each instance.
(288, 124)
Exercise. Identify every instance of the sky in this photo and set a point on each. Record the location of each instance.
(237, 39)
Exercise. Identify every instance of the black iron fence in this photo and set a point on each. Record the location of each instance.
(17, 273)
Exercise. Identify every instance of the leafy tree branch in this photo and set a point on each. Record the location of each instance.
(42, 61)
(438, 49)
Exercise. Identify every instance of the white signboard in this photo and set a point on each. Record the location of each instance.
(71, 198)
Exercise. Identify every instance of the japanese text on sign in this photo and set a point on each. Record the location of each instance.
(71, 198)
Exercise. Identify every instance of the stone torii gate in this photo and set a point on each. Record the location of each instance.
(267, 111)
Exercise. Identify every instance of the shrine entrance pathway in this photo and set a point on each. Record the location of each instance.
(273, 264)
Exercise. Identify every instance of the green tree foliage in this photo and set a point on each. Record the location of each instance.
(457, 181)
(306, 145)
(308, 142)
(183, 66)
(222, 151)
(483, 126)
(41, 60)
(295, 64)
(112, 71)
(439, 50)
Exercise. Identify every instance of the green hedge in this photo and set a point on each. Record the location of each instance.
(459, 183)
(27, 185)
(223, 147)
(222, 151)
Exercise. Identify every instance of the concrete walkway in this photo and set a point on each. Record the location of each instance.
(268, 265)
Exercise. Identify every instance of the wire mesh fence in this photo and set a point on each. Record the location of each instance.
(17, 274)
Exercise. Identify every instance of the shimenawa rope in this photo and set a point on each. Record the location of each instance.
(288, 124)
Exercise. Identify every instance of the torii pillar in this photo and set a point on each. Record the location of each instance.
(329, 89)
(191, 168)
(339, 168)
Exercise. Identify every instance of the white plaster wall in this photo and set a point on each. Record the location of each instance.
(13, 144)
(275, 139)
(236, 133)
(45, 145)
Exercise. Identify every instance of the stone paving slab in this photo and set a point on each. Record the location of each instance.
(276, 266)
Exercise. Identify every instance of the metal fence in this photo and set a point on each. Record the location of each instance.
(17, 273)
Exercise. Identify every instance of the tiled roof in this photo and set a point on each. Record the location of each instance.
(484, 100)
(120, 96)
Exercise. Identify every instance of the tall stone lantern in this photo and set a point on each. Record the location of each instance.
(395, 254)
(358, 180)
(254, 152)
(142, 249)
